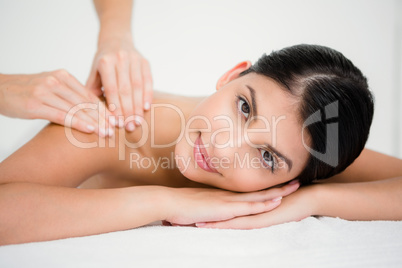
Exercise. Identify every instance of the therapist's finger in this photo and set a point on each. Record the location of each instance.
(79, 115)
(125, 91)
(137, 85)
(72, 99)
(148, 84)
(59, 103)
(109, 82)
(82, 95)
(59, 117)
(94, 83)
(77, 94)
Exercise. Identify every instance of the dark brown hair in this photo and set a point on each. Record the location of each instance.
(331, 91)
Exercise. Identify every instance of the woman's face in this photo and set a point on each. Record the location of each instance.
(245, 137)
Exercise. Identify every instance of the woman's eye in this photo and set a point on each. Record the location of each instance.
(268, 159)
(244, 108)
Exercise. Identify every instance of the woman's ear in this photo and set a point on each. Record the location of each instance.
(232, 73)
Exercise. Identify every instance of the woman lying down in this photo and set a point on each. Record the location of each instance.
(234, 159)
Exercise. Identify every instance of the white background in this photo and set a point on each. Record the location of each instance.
(191, 43)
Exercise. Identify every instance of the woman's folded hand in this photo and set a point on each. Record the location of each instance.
(199, 206)
(295, 207)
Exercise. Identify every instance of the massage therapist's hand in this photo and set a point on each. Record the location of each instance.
(198, 206)
(50, 96)
(126, 79)
(295, 207)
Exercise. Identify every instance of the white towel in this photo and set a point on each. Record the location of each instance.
(312, 242)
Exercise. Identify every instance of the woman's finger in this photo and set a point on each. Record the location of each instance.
(245, 222)
(148, 84)
(264, 195)
(250, 208)
(294, 207)
(232, 210)
(225, 211)
(259, 220)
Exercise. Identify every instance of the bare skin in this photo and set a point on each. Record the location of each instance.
(38, 183)
(119, 72)
(46, 179)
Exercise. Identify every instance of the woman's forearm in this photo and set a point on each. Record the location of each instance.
(34, 212)
(376, 200)
(114, 17)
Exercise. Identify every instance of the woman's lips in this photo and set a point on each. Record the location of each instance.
(201, 156)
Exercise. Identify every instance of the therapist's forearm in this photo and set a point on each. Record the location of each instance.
(376, 200)
(115, 18)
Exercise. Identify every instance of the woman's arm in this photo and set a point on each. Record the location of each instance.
(36, 212)
(370, 189)
(59, 156)
(38, 200)
(375, 200)
(370, 166)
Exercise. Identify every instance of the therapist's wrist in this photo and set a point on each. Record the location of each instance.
(114, 37)
(113, 28)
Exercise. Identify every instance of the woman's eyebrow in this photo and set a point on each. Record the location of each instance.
(253, 102)
(288, 162)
